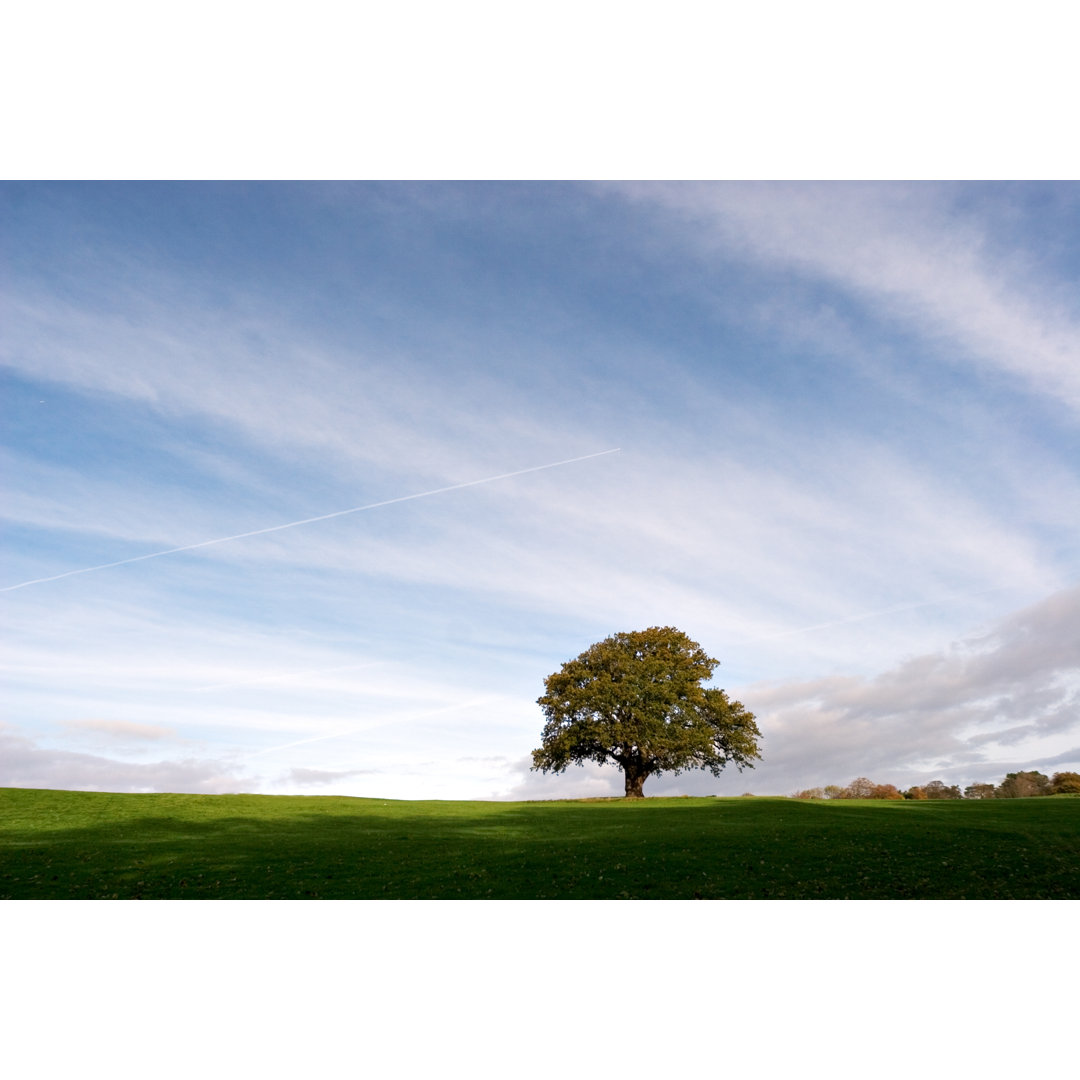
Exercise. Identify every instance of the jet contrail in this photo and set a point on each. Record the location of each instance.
(308, 521)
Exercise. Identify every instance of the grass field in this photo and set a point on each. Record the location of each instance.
(91, 845)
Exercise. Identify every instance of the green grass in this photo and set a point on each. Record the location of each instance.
(91, 845)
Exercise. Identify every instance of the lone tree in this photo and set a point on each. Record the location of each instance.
(636, 699)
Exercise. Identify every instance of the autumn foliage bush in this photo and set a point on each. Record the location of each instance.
(859, 788)
(1066, 783)
(1016, 785)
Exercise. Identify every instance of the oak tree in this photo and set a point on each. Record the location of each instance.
(636, 700)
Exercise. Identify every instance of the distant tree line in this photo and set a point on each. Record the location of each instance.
(1016, 785)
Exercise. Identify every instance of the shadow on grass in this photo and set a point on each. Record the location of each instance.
(74, 845)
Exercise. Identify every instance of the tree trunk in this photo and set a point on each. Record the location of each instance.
(635, 781)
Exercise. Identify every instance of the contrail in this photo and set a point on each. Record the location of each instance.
(309, 521)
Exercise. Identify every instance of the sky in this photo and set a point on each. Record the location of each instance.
(829, 430)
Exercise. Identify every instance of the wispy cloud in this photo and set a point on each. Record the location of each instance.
(380, 721)
(962, 712)
(909, 250)
(25, 764)
(317, 777)
(826, 468)
(121, 729)
(307, 521)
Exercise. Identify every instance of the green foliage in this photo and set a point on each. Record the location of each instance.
(636, 700)
(93, 845)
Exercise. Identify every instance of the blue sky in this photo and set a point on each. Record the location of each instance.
(848, 426)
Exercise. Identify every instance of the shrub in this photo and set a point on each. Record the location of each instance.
(859, 788)
(938, 789)
(1065, 783)
(885, 791)
(1023, 785)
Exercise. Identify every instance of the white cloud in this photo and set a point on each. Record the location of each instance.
(971, 712)
(1005, 698)
(315, 777)
(906, 249)
(809, 546)
(967, 712)
(369, 407)
(587, 781)
(121, 729)
(24, 764)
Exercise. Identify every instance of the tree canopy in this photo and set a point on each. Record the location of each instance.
(1066, 783)
(1020, 785)
(636, 700)
(1017, 785)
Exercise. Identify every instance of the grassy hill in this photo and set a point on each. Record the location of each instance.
(91, 845)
